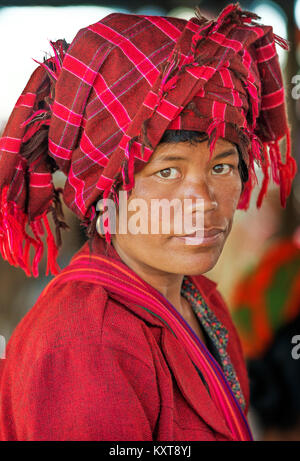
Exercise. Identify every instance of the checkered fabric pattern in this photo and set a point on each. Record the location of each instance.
(98, 109)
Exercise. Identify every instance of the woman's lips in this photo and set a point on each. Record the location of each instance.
(203, 237)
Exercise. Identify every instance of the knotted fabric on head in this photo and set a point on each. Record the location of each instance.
(98, 109)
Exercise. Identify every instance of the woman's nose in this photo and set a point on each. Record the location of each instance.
(202, 196)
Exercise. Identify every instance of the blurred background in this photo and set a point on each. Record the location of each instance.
(25, 30)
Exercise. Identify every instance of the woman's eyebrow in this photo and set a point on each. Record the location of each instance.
(170, 157)
(225, 154)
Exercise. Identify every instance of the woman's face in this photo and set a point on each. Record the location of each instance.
(184, 171)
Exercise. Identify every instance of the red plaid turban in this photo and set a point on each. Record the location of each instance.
(98, 109)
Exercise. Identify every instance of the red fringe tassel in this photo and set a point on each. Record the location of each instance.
(265, 167)
(15, 243)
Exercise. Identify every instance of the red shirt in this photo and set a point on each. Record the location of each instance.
(82, 366)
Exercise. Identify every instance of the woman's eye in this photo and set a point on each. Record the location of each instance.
(222, 168)
(168, 173)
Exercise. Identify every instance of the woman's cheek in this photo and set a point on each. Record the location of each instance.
(149, 188)
(231, 191)
(227, 198)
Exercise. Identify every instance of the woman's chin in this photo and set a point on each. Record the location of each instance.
(195, 264)
(198, 269)
(194, 259)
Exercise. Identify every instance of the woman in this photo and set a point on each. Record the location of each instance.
(131, 341)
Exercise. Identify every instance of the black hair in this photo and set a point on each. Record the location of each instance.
(174, 136)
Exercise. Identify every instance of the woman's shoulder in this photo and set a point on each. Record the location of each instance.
(77, 351)
(62, 314)
(78, 313)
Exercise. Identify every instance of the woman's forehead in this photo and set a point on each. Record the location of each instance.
(186, 149)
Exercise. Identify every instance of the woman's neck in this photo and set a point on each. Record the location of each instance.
(168, 284)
